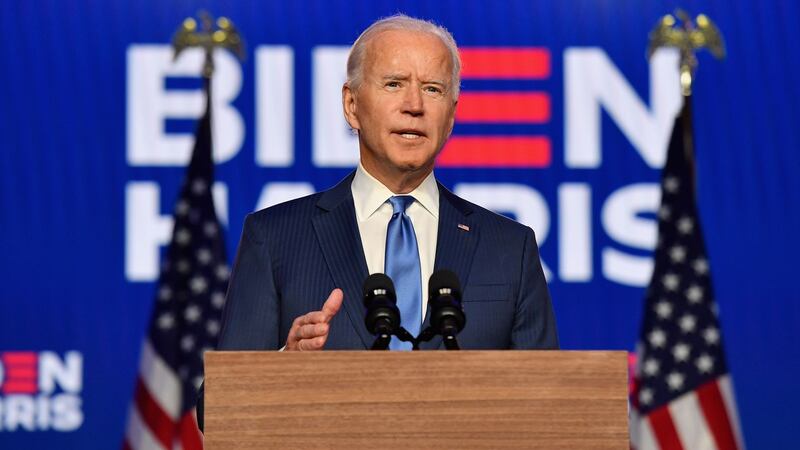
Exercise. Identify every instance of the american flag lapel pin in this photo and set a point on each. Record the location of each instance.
(461, 226)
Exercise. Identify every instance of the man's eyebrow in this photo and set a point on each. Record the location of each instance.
(395, 76)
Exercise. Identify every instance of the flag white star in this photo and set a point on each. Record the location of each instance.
(198, 284)
(183, 266)
(664, 309)
(681, 352)
(671, 281)
(199, 186)
(705, 363)
(694, 294)
(664, 212)
(651, 367)
(192, 313)
(675, 381)
(164, 293)
(657, 338)
(183, 236)
(677, 254)
(187, 343)
(685, 225)
(212, 326)
(645, 396)
(222, 272)
(711, 336)
(218, 299)
(182, 208)
(687, 323)
(165, 321)
(671, 184)
(204, 256)
(700, 266)
(210, 229)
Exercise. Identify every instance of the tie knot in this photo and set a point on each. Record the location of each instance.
(400, 203)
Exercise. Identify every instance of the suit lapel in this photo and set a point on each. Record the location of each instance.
(457, 239)
(340, 241)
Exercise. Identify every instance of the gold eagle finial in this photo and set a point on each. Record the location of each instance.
(687, 37)
(225, 35)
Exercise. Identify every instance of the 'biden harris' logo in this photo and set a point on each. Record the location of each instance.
(40, 391)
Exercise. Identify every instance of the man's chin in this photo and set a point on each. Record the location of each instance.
(414, 166)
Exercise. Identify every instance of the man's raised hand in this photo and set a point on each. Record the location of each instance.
(310, 331)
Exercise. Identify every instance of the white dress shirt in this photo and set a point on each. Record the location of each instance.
(373, 212)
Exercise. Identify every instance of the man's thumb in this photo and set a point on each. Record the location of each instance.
(333, 303)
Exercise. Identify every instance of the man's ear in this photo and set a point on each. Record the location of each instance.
(349, 107)
(453, 118)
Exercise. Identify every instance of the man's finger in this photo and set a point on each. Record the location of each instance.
(311, 344)
(311, 331)
(314, 317)
(333, 304)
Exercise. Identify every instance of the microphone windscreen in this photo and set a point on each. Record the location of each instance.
(378, 281)
(443, 279)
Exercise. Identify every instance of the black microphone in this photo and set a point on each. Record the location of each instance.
(383, 316)
(447, 313)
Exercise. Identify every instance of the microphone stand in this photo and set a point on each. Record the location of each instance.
(448, 338)
(384, 336)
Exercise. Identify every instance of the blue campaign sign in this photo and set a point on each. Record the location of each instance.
(563, 124)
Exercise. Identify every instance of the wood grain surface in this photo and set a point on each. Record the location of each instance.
(434, 399)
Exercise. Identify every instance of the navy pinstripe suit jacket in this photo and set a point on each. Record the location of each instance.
(292, 255)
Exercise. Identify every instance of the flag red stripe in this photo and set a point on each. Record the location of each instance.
(495, 151)
(159, 423)
(713, 406)
(519, 107)
(21, 372)
(19, 387)
(23, 358)
(190, 434)
(505, 63)
(664, 429)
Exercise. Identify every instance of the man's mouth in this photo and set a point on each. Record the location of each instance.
(410, 134)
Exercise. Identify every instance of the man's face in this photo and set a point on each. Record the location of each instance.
(404, 108)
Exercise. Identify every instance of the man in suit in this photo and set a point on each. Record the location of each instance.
(297, 278)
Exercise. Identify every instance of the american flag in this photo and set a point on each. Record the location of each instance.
(682, 395)
(186, 317)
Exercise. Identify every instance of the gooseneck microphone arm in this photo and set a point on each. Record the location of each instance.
(383, 317)
(447, 314)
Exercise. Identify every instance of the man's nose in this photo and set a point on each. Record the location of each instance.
(412, 102)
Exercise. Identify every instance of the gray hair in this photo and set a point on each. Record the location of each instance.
(355, 60)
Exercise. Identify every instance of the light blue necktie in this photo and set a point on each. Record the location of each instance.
(402, 266)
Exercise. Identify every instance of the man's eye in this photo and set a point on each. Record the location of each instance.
(433, 89)
(393, 84)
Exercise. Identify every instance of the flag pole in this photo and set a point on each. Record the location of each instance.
(682, 391)
(187, 312)
(688, 37)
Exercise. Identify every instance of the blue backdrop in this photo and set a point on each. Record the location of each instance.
(87, 181)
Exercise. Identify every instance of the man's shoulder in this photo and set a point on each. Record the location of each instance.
(292, 208)
(291, 216)
(484, 217)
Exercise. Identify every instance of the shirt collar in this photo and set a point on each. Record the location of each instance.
(369, 194)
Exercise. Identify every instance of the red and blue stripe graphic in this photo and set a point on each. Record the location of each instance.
(20, 373)
(519, 107)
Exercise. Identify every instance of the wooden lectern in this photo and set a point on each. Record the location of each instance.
(427, 399)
